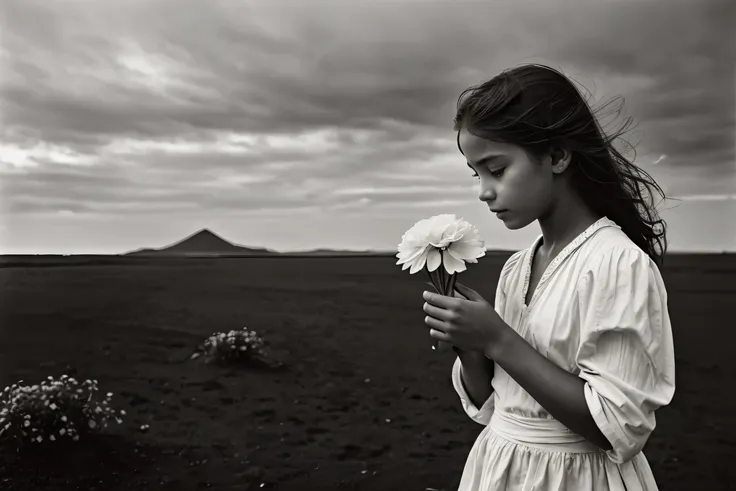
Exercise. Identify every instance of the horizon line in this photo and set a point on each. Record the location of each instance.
(304, 251)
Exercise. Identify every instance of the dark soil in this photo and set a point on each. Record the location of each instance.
(362, 402)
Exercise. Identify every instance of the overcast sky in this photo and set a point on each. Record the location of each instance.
(308, 124)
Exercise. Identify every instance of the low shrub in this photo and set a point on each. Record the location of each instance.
(236, 346)
(54, 410)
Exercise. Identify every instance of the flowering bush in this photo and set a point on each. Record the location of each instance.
(53, 410)
(242, 345)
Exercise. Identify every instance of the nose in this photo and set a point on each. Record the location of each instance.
(486, 193)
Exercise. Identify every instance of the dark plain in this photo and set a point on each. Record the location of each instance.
(361, 401)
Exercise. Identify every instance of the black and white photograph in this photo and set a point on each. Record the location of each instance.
(410, 245)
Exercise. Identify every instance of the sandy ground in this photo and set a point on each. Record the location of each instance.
(363, 403)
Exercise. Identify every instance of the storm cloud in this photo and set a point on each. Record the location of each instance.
(165, 108)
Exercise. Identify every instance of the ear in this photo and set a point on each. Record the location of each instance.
(560, 159)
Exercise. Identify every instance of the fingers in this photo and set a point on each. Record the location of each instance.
(438, 313)
(439, 335)
(463, 289)
(439, 319)
(436, 323)
(468, 293)
(460, 295)
(440, 300)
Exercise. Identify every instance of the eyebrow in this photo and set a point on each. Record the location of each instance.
(485, 160)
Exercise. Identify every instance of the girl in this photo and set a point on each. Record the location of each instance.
(579, 336)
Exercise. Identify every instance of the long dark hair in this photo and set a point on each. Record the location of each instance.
(538, 108)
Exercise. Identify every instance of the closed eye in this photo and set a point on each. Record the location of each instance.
(497, 173)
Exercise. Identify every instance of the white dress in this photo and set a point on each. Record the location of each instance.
(600, 312)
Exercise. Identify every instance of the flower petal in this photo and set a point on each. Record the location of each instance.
(467, 250)
(434, 259)
(410, 255)
(453, 265)
(419, 263)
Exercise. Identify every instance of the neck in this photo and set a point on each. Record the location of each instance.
(567, 219)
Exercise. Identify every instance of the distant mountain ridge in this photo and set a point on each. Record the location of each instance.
(205, 243)
(202, 243)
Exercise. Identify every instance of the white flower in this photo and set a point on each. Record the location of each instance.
(459, 241)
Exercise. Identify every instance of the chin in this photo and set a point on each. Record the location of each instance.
(515, 224)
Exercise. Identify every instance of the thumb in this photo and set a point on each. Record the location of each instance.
(468, 293)
(431, 285)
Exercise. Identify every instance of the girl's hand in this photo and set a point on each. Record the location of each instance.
(470, 323)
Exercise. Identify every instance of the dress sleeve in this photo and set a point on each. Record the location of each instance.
(482, 415)
(626, 355)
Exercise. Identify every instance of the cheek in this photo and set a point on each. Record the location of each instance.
(520, 182)
(528, 189)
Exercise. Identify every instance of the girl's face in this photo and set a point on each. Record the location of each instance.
(518, 189)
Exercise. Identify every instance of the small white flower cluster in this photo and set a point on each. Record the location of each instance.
(53, 410)
(239, 345)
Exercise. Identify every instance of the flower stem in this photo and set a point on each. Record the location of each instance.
(443, 273)
(434, 283)
(438, 287)
(451, 285)
(442, 285)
